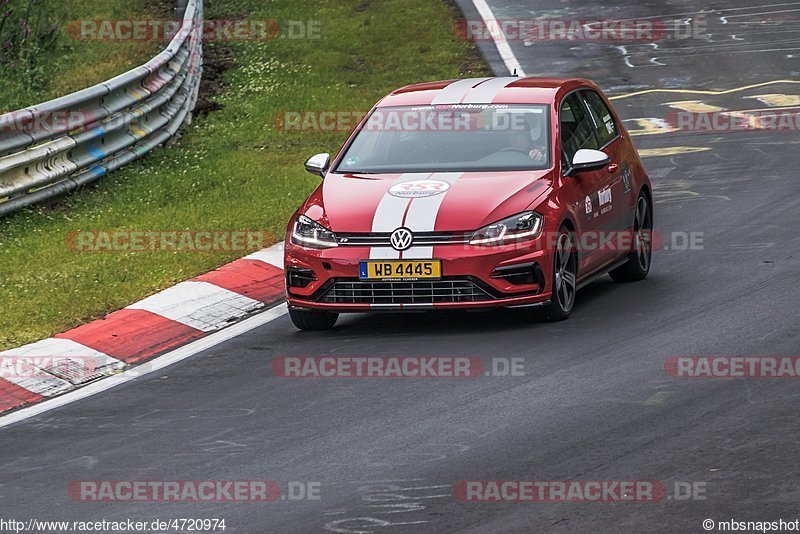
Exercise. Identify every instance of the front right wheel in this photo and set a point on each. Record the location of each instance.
(638, 265)
(565, 277)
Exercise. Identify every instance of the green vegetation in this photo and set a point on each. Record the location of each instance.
(41, 58)
(232, 169)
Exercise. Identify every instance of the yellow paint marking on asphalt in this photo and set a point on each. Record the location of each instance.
(756, 110)
(655, 126)
(650, 126)
(672, 151)
(694, 106)
(704, 92)
(776, 100)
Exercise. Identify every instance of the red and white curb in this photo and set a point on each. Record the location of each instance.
(145, 329)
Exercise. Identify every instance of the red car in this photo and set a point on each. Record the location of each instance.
(473, 193)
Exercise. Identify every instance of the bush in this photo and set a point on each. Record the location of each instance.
(27, 28)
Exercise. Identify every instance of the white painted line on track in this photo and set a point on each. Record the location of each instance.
(503, 48)
(148, 367)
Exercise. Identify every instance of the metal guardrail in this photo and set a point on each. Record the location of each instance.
(103, 127)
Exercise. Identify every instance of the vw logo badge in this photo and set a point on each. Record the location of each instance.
(401, 239)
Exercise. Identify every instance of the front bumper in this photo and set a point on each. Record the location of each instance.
(472, 278)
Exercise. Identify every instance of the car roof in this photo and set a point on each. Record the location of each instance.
(496, 90)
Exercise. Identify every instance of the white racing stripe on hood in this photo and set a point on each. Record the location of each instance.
(389, 216)
(486, 92)
(453, 93)
(422, 215)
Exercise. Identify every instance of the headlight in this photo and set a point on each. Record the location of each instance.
(525, 225)
(308, 233)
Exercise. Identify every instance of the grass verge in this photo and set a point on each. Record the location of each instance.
(232, 169)
(68, 64)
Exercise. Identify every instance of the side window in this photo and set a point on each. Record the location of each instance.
(577, 128)
(605, 129)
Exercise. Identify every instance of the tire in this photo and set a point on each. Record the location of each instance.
(313, 320)
(639, 259)
(565, 277)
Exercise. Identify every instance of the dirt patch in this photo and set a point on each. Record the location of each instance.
(217, 59)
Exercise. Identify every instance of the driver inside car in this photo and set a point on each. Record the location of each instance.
(530, 141)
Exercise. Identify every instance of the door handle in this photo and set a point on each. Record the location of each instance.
(613, 168)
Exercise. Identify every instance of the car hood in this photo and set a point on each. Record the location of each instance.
(442, 202)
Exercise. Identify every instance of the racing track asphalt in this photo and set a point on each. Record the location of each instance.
(595, 403)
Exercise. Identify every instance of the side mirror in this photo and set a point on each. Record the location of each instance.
(587, 159)
(318, 164)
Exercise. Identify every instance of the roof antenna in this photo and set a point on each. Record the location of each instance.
(515, 73)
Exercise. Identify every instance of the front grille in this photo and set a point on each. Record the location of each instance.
(382, 239)
(407, 293)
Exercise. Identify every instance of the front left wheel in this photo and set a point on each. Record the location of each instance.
(312, 319)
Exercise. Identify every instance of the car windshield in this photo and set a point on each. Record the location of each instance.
(453, 138)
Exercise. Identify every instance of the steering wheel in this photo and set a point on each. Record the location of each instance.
(512, 149)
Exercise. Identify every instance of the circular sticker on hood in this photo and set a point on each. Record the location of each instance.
(419, 188)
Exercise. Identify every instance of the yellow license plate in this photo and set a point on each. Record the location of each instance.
(400, 269)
